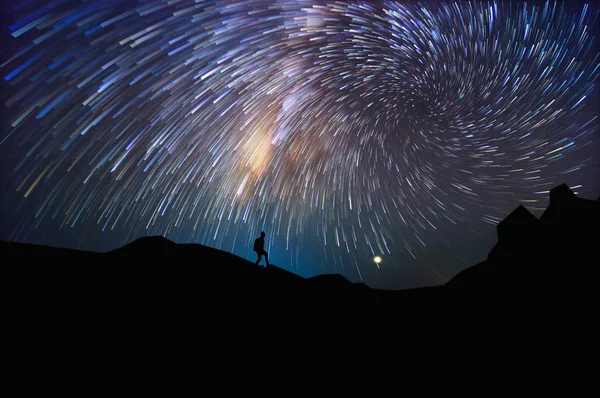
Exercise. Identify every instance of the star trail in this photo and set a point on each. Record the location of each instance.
(345, 130)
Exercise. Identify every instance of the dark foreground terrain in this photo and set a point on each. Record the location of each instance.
(554, 253)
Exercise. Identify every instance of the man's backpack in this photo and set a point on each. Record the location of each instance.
(257, 244)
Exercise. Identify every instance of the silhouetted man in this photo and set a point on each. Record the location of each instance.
(259, 248)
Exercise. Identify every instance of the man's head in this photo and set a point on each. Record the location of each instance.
(262, 234)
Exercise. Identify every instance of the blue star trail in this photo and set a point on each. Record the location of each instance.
(345, 130)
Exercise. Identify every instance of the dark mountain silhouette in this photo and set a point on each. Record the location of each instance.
(557, 250)
(155, 265)
(531, 254)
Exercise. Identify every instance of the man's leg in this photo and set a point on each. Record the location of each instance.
(259, 257)
(266, 257)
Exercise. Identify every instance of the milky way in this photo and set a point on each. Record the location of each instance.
(344, 130)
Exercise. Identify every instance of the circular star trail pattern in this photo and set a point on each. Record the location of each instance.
(345, 130)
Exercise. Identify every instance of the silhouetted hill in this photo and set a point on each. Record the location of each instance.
(154, 265)
(531, 254)
(558, 251)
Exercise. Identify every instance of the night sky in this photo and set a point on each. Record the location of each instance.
(345, 130)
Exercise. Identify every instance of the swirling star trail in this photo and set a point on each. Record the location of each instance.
(345, 130)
